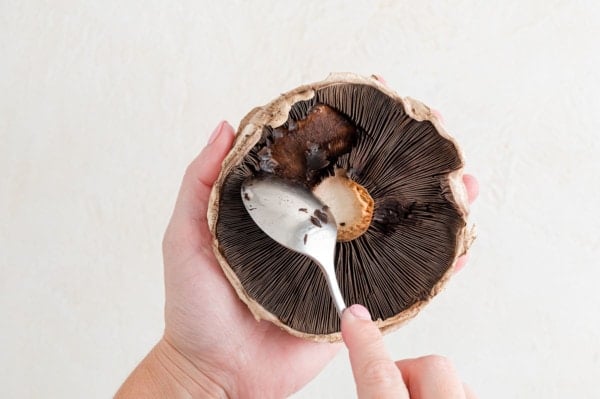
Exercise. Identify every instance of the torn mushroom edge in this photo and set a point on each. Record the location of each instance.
(275, 114)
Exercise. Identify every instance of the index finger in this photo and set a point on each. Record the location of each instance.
(375, 373)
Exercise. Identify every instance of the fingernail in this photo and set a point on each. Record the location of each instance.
(216, 132)
(360, 312)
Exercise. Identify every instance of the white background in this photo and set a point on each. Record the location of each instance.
(103, 104)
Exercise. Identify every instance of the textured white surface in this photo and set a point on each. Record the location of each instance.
(103, 104)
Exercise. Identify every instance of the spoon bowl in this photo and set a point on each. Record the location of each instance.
(291, 215)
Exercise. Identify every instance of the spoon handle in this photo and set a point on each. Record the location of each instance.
(328, 269)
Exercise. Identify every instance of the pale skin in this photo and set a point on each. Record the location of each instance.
(212, 347)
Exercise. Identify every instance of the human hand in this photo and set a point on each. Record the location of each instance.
(378, 376)
(212, 345)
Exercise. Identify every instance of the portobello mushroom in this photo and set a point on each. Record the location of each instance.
(392, 177)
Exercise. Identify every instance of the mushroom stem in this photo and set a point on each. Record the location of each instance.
(349, 202)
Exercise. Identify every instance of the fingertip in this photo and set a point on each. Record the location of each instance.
(358, 329)
(356, 321)
(472, 186)
(202, 172)
(460, 263)
(359, 312)
(230, 130)
(223, 132)
(431, 376)
(206, 166)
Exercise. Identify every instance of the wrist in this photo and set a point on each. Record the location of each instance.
(184, 373)
(167, 373)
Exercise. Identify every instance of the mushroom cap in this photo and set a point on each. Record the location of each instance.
(413, 170)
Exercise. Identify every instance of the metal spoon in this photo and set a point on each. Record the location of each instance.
(291, 215)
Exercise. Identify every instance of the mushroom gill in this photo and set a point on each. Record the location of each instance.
(394, 150)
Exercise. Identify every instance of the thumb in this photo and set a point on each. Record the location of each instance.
(192, 201)
(203, 171)
(375, 373)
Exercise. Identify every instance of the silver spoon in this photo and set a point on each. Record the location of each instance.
(291, 215)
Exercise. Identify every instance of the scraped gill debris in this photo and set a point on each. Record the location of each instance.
(306, 148)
